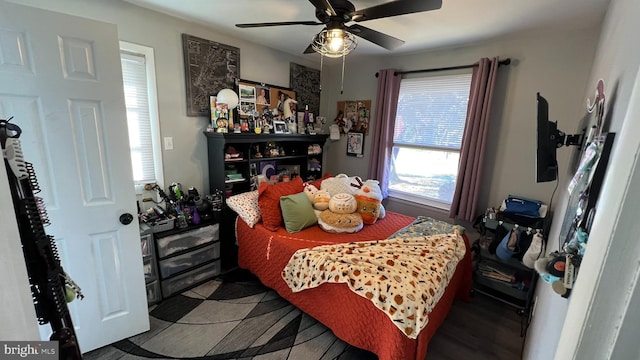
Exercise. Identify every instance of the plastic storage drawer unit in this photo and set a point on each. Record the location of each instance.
(173, 244)
(191, 278)
(176, 264)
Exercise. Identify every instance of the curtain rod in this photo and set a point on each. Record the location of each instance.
(506, 61)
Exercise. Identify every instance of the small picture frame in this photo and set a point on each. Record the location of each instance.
(279, 127)
(355, 144)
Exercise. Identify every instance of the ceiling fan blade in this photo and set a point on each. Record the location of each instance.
(386, 41)
(309, 50)
(253, 25)
(324, 5)
(395, 8)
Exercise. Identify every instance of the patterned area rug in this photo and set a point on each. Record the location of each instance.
(231, 317)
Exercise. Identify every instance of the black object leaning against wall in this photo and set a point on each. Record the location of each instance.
(46, 276)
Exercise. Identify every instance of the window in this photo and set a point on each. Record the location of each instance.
(138, 74)
(427, 138)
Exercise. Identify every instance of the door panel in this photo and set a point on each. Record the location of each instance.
(60, 78)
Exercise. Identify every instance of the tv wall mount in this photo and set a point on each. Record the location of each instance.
(563, 139)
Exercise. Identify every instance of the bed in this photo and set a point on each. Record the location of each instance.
(351, 317)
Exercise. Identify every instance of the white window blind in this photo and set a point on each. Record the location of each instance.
(427, 137)
(136, 92)
(431, 111)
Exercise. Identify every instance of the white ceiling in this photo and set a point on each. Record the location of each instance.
(457, 22)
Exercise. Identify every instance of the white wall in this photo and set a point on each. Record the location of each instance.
(187, 163)
(602, 303)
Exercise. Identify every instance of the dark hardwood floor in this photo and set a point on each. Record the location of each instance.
(482, 329)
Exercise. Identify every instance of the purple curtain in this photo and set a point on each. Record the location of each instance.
(383, 122)
(474, 139)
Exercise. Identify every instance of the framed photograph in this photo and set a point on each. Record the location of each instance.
(246, 108)
(280, 127)
(209, 68)
(247, 93)
(355, 144)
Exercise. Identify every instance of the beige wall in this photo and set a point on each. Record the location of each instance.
(187, 163)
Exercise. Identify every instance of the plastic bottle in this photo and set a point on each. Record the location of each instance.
(196, 216)
(306, 115)
(182, 220)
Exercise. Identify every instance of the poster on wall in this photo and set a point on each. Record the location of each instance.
(209, 68)
(353, 116)
(355, 144)
(305, 82)
(261, 97)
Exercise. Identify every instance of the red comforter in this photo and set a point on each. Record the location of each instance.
(351, 317)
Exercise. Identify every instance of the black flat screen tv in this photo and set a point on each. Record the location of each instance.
(549, 140)
(546, 161)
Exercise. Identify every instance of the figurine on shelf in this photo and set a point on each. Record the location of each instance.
(274, 152)
(271, 149)
(289, 109)
(258, 154)
(314, 165)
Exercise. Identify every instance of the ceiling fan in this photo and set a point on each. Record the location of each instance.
(334, 14)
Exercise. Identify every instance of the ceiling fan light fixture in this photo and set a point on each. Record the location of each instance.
(334, 43)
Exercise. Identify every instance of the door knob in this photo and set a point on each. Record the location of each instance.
(126, 219)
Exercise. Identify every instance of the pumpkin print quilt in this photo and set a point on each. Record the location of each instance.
(402, 276)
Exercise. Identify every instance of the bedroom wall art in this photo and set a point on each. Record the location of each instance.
(305, 82)
(353, 115)
(262, 104)
(355, 144)
(209, 68)
(260, 97)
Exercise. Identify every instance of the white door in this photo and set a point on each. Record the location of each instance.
(60, 78)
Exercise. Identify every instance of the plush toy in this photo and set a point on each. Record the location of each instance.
(338, 184)
(341, 217)
(343, 204)
(369, 198)
(321, 200)
(340, 223)
(310, 191)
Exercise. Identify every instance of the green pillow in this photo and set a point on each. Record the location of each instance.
(297, 212)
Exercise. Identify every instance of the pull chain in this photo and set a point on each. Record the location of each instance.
(342, 80)
(321, 58)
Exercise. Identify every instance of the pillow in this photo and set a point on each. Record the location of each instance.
(318, 182)
(339, 184)
(297, 212)
(246, 206)
(269, 201)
